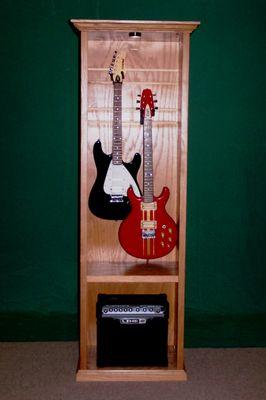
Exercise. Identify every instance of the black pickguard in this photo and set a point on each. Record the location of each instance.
(99, 202)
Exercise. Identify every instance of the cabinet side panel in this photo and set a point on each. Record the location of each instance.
(83, 203)
(184, 62)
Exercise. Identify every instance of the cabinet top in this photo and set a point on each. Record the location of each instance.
(124, 25)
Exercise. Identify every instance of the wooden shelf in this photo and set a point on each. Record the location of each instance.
(156, 124)
(165, 70)
(132, 272)
(139, 83)
(169, 373)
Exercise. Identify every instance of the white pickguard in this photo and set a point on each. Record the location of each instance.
(118, 180)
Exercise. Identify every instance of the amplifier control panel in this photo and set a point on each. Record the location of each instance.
(130, 310)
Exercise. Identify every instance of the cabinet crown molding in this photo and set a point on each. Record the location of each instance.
(124, 25)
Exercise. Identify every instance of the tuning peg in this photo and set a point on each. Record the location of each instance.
(138, 101)
(154, 94)
(139, 95)
(137, 108)
(155, 101)
(155, 108)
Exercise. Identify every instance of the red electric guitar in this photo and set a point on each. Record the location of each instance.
(148, 231)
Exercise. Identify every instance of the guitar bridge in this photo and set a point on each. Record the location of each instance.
(116, 198)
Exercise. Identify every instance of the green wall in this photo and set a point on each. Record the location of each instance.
(226, 300)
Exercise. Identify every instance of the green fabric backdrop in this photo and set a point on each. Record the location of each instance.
(225, 291)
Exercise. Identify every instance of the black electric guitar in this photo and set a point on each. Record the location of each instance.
(108, 197)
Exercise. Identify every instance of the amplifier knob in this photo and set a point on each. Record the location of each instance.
(151, 309)
(144, 309)
(137, 309)
(130, 309)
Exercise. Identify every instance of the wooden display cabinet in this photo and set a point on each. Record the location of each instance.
(159, 60)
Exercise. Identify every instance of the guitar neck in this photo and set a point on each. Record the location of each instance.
(147, 161)
(117, 124)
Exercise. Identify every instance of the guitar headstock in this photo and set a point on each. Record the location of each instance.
(147, 108)
(117, 67)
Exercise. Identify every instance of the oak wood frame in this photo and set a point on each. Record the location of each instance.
(169, 273)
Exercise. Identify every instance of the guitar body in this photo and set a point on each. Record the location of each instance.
(102, 202)
(149, 233)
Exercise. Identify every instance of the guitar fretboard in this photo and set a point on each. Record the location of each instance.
(117, 124)
(147, 164)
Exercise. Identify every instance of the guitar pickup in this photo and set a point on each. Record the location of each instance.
(148, 206)
(148, 224)
(116, 198)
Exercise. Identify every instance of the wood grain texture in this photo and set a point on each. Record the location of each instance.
(83, 203)
(161, 56)
(169, 373)
(132, 272)
(152, 56)
(160, 61)
(184, 60)
(109, 25)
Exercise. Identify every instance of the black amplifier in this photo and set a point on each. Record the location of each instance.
(132, 330)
